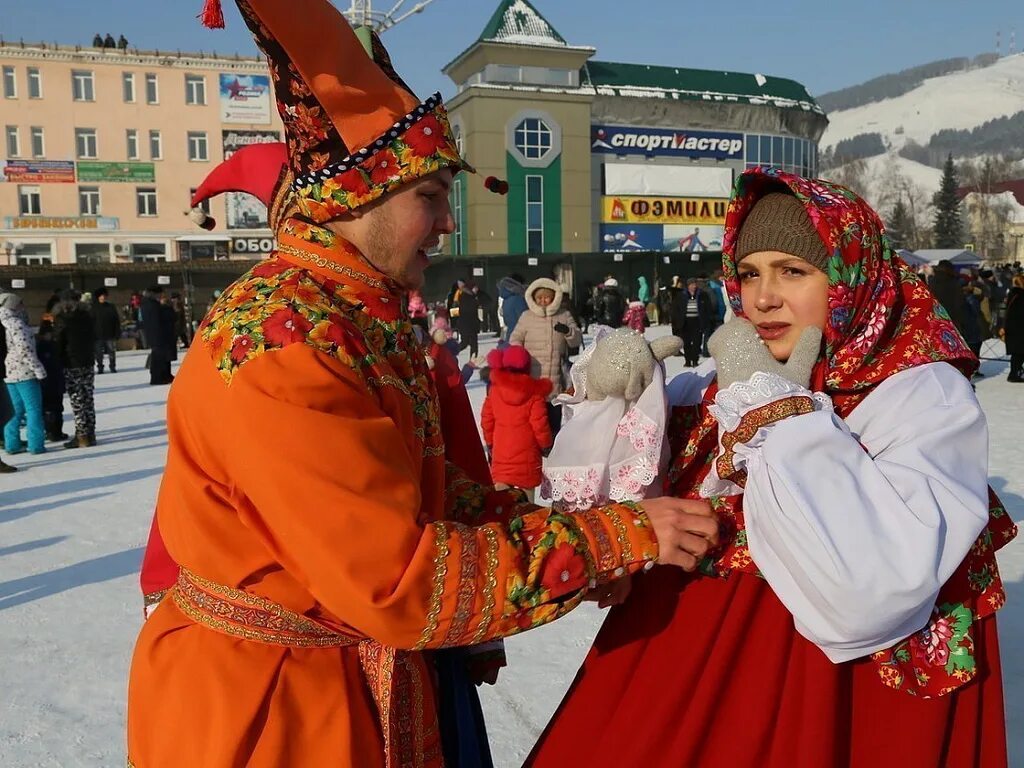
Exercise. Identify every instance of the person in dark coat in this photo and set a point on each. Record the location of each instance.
(181, 328)
(158, 327)
(610, 304)
(53, 384)
(512, 291)
(75, 337)
(468, 320)
(107, 324)
(945, 285)
(1013, 329)
(692, 313)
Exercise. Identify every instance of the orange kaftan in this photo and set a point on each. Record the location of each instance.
(305, 466)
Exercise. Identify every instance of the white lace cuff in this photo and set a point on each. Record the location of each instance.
(746, 411)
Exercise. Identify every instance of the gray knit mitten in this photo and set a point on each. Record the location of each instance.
(740, 353)
(623, 363)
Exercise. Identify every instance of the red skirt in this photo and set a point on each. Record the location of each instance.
(695, 671)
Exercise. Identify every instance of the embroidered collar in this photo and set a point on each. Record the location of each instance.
(320, 250)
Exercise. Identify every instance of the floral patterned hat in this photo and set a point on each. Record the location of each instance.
(354, 129)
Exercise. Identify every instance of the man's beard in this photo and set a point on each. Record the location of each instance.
(383, 250)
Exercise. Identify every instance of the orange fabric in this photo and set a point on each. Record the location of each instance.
(310, 472)
(515, 424)
(359, 98)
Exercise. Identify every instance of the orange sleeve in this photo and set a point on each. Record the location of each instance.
(540, 424)
(323, 476)
(487, 422)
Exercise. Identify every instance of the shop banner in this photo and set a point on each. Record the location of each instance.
(673, 238)
(245, 99)
(38, 171)
(663, 210)
(104, 223)
(245, 211)
(704, 145)
(132, 173)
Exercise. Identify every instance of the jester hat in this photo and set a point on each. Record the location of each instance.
(258, 169)
(354, 129)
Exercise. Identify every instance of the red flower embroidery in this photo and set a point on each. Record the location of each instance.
(335, 330)
(426, 137)
(564, 571)
(381, 307)
(353, 181)
(240, 348)
(932, 645)
(284, 327)
(383, 167)
(270, 268)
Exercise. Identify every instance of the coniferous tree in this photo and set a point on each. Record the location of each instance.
(898, 225)
(948, 226)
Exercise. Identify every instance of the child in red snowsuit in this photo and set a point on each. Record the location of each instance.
(635, 316)
(514, 419)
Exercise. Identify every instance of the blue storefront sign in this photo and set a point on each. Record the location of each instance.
(625, 140)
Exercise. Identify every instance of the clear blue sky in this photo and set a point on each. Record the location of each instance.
(825, 44)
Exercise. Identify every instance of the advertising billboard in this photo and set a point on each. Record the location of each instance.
(622, 209)
(668, 142)
(245, 99)
(38, 171)
(89, 170)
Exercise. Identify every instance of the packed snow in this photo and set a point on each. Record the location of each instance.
(959, 100)
(73, 524)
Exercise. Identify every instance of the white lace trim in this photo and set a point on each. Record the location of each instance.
(735, 402)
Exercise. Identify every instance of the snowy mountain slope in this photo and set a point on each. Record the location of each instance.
(885, 178)
(960, 100)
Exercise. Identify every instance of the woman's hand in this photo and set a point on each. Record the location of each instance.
(740, 353)
(686, 530)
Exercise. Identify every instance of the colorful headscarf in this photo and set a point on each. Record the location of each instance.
(882, 317)
(882, 320)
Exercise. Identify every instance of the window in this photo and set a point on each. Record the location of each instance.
(34, 254)
(10, 83)
(92, 253)
(132, 139)
(204, 205)
(195, 89)
(85, 143)
(458, 247)
(128, 87)
(156, 146)
(145, 199)
(197, 151)
(35, 84)
(533, 138)
(82, 85)
(13, 141)
(152, 94)
(149, 252)
(88, 201)
(788, 154)
(534, 214)
(765, 157)
(30, 201)
(38, 145)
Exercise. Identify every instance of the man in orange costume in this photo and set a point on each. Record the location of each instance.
(325, 545)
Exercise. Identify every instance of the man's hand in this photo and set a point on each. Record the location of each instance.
(686, 530)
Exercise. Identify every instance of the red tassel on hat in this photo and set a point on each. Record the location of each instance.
(212, 15)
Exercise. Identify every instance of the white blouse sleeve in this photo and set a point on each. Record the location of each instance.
(856, 524)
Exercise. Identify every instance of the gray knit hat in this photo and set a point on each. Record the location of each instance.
(778, 222)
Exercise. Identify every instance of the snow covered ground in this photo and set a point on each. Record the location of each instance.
(73, 525)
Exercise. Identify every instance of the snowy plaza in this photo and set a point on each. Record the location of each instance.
(73, 526)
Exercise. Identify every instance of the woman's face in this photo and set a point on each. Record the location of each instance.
(543, 297)
(781, 295)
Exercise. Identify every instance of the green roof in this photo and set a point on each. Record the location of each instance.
(518, 22)
(696, 84)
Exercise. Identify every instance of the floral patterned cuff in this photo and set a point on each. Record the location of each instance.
(746, 412)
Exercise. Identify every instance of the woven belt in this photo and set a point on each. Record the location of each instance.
(243, 614)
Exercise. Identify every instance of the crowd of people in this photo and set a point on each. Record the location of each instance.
(77, 338)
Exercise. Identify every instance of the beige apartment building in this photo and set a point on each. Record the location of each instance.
(102, 149)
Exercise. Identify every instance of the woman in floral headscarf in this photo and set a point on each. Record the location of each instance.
(849, 620)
